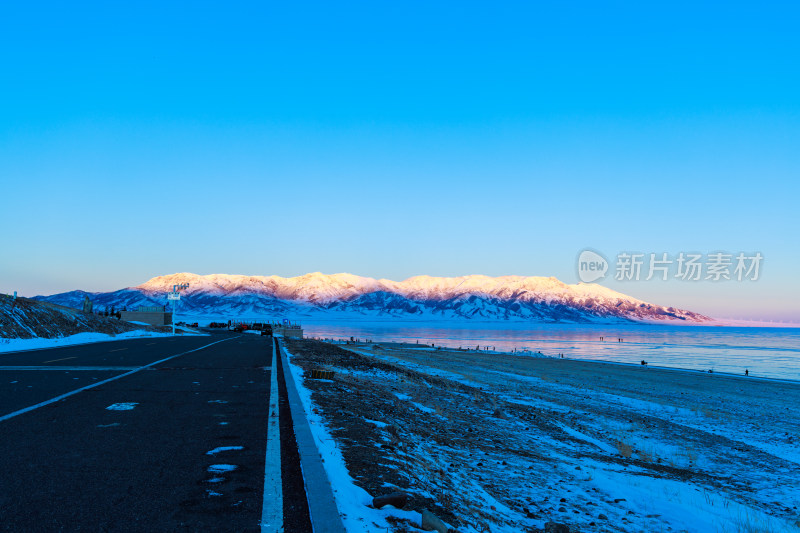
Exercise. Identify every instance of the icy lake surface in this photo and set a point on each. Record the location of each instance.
(765, 352)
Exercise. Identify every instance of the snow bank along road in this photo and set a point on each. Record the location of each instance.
(153, 434)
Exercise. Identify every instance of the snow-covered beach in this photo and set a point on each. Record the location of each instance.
(509, 442)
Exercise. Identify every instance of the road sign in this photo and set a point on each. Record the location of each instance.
(173, 296)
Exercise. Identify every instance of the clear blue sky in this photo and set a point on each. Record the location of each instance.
(395, 139)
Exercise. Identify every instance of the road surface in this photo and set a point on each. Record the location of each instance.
(150, 434)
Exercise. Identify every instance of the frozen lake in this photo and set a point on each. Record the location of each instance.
(765, 352)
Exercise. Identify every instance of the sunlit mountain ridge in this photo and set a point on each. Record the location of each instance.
(474, 297)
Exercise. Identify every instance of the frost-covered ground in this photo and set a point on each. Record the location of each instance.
(14, 345)
(506, 443)
(353, 502)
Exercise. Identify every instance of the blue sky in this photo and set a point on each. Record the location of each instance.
(396, 139)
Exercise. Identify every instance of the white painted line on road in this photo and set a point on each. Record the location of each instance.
(124, 406)
(70, 368)
(54, 360)
(272, 508)
(87, 387)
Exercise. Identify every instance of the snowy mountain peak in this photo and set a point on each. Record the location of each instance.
(477, 297)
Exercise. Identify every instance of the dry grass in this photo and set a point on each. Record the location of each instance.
(624, 449)
(746, 523)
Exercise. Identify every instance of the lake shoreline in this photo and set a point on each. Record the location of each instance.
(511, 442)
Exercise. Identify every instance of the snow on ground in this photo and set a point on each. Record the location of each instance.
(220, 468)
(726, 458)
(124, 406)
(15, 345)
(353, 502)
(506, 443)
(219, 449)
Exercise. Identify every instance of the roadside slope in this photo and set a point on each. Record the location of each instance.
(27, 319)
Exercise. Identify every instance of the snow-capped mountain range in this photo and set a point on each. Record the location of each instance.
(476, 297)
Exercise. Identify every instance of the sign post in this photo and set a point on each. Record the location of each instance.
(175, 297)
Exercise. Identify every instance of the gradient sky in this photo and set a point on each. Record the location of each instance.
(396, 139)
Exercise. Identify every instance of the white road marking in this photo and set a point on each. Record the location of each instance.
(124, 406)
(55, 367)
(272, 508)
(54, 360)
(87, 387)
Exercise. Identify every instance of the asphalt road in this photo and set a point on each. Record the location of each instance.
(148, 465)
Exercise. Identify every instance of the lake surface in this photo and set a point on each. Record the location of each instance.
(765, 352)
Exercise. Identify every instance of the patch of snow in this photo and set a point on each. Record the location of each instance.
(224, 449)
(688, 506)
(218, 469)
(423, 408)
(584, 437)
(124, 406)
(19, 345)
